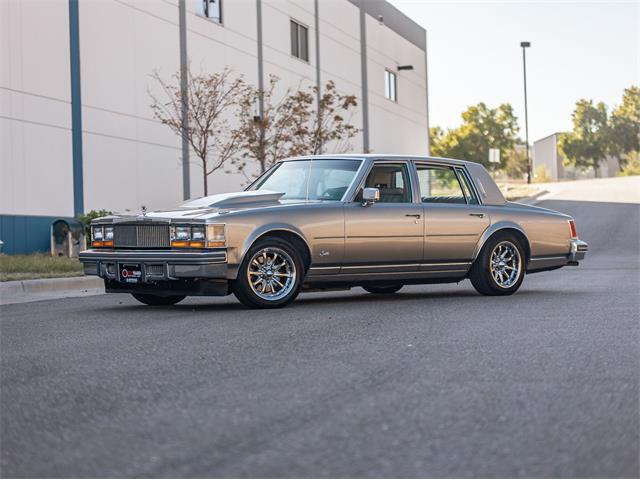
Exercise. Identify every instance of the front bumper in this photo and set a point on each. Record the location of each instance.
(157, 265)
(578, 251)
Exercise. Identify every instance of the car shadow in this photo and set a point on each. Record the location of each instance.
(183, 307)
(426, 295)
(326, 300)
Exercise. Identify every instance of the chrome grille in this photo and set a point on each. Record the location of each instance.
(141, 236)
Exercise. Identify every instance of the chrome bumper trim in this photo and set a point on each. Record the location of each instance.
(578, 251)
(157, 265)
(169, 256)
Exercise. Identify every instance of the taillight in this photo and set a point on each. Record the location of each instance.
(572, 226)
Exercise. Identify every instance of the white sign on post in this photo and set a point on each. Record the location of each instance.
(494, 155)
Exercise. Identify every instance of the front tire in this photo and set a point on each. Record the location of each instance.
(270, 275)
(157, 301)
(382, 289)
(499, 269)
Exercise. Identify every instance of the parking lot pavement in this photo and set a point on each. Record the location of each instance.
(432, 381)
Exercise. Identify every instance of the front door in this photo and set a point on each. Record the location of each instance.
(388, 235)
(454, 220)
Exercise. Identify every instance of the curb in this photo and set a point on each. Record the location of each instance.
(22, 291)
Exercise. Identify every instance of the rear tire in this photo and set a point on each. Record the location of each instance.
(270, 275)
(499, 269)
(382, 289)
(157, 301)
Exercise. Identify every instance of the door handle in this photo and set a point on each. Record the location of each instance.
(479, 215)
(414, 215)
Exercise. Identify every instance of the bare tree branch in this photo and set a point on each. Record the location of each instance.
(211, 99)
(293, 125)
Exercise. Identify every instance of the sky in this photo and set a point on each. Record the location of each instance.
(578, 50)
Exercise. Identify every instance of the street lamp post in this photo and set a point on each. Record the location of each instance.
(524, 46)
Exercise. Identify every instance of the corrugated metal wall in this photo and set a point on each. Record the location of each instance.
(25, 233)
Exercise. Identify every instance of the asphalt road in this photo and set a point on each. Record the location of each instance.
(433, 381)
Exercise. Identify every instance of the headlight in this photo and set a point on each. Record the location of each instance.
(97, 234)
(197, 234)
(216, 236)
(182, 233)
(102, 236)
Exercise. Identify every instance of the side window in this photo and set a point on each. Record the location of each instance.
(393, 182)
(330, 179)
(466, 186)
(439, 185)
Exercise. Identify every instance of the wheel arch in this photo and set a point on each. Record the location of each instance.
(284, 232)
(504, 227)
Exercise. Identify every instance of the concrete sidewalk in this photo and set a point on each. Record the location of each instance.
(532, 199)
(611, 190)
(49, 288)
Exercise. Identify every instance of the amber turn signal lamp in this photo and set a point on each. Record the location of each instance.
(100, 243)
(187, 244)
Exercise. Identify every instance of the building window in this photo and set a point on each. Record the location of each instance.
(390, 86)
(299, 41)
(212, 9)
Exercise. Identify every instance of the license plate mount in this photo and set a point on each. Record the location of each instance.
(130, 273)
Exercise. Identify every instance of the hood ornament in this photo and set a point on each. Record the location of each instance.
(144, 211)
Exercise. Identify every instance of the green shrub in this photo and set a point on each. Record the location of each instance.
(88, 217)
(542, 175)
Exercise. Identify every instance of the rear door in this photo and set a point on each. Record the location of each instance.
(454, 220)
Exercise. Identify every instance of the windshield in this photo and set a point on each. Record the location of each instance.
(311, 179)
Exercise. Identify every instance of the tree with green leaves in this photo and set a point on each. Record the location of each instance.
(482, 128)
(587, 145)
(624, 126)
(517, 162)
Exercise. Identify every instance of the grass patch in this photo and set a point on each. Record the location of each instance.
(37, 265)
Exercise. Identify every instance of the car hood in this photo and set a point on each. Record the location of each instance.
(236, 199)
(212, 205)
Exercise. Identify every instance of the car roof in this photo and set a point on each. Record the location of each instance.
(376, 156)
(490, 192)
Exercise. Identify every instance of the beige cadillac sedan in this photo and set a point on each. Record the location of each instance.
(334, 221)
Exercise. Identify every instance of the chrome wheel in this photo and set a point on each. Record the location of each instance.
(505, 264)
(271, 273)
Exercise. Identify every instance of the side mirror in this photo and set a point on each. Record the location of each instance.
(370, 196)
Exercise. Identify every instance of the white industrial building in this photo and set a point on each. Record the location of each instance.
(548, 158)
(77, 132)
